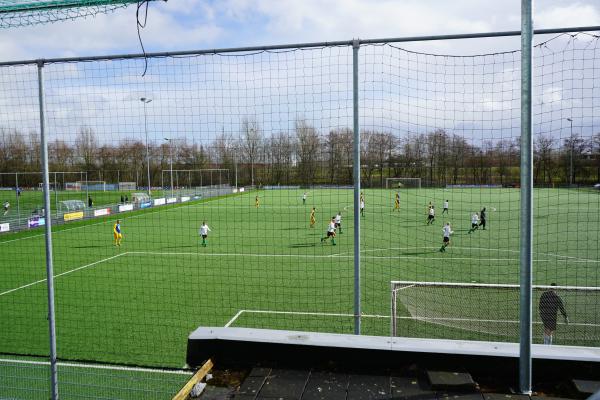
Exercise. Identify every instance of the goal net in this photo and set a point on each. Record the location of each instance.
(442, 308)
(403, 183)
(92, 186)
(127, 186)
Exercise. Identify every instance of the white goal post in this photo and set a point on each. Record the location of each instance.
(403, 183)
(490, 309)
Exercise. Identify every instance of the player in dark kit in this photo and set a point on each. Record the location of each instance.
(550, 304)
(482, 219)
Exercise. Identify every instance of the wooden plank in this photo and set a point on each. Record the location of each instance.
(198, 376)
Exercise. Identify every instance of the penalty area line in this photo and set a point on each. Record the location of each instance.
(63, 273)
(98, 366)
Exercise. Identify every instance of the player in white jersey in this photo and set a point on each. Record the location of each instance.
(204, 229)
(362, 204)
(431, 216)
(330, 232)
(304, 195)
(6, 206)
(445, 210)
(338, 221)
(474, 222)
(447, 232)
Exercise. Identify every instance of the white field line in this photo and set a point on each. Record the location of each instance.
(504, 321)
(96, 366)
(232, 320)
(103, 222)
(324, 314)
(171, 253)
(320, 314)
(64, 273)
(573, 258)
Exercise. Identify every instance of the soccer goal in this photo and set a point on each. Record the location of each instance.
(403, 183)
(92, 186)
(490, 309)
(127, 186)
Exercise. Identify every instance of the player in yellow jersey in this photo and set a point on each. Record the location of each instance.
(397, 202)
(313, 219)
(256, 202)
(117, 233)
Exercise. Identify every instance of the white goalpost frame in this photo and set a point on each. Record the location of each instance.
(416, 181)
(87, 184)
(396, 286)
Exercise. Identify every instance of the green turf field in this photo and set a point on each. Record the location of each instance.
(264, 267)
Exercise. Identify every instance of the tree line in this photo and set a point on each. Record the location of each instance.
(307, 156)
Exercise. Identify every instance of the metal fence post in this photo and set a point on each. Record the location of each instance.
(526, 197)
(48, 229)
(356, 157)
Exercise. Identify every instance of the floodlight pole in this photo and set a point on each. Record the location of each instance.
(526, 223)
(48, 236)
(571, 153)
(146, 101)
(171, 161)
(356, 157)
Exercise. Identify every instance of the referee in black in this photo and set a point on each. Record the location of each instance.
(550, 304)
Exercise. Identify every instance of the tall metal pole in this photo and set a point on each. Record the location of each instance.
(356, 157)
(571, 155)
(18, 201)
(526, 238)
(170, 141)
(146, 101)
(48, 229)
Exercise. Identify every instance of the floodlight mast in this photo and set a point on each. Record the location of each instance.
(170, 141)
(145, 101)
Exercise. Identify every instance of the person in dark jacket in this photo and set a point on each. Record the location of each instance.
(550, 304)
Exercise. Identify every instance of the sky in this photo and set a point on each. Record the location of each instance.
(202, 24)
(199, 98)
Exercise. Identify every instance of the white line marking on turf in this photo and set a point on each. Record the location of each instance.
(426, 319)
(232, 320)
(64, 273)
(102, 222)
(96, 366)
(349, 257)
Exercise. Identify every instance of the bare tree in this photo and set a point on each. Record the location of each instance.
(281, 152)
(252, 143)
(307, 150)
(543, 151)
(86, 148)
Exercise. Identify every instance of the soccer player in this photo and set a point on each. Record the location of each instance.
(362, 204)
(397, 201)
(304, 198)
(313, 219)
(330, 232)
(550, 304)
(6, 206)
(445, 210)
(204, 229)
(256, 202)
(117, 233)
(90, 202)
(447, 232)
(338, 221)
(474, 222)
(482, 218)
(431, 216)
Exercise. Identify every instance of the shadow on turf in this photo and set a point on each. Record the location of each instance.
(299, 245)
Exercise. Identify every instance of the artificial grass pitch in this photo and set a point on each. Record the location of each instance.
(264, 267)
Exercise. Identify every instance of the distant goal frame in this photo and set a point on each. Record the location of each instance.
(398, 285)
(400, 180)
